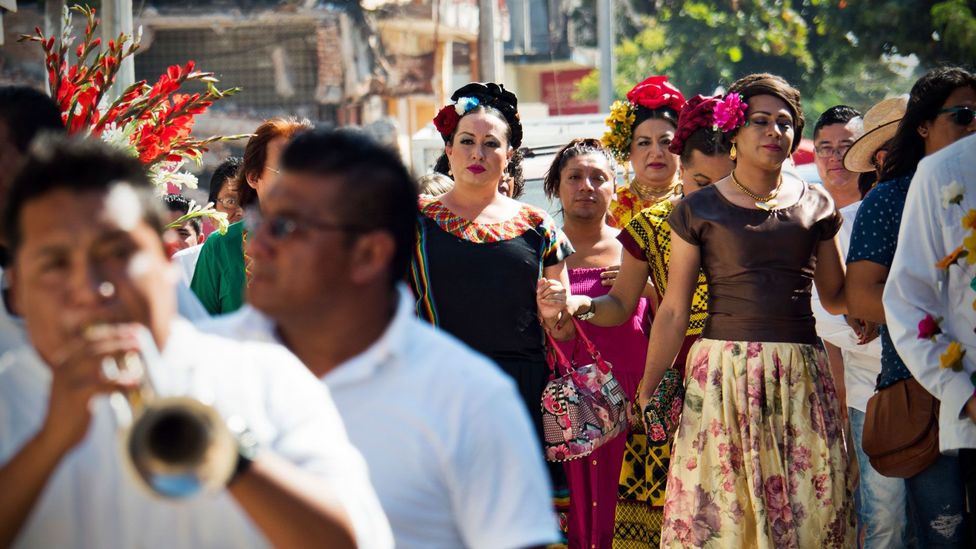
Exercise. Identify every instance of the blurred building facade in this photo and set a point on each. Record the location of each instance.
(386, 65)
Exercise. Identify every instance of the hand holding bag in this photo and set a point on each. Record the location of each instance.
(663, 410)
(582, 408)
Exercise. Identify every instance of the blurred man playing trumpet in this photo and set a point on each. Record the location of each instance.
(90, 277)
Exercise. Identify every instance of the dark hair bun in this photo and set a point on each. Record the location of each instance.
(496, 96)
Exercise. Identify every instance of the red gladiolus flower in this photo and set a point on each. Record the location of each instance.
(157, 119)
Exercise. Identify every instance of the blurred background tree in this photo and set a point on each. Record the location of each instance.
(835, 51)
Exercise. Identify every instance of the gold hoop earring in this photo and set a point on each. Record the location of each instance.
(732, 152)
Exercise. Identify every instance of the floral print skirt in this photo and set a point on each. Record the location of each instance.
(759, 458)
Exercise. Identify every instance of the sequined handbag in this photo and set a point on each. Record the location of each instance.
(582, 406)
(663, 410)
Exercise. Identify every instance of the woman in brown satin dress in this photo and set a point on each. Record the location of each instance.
(759, 458)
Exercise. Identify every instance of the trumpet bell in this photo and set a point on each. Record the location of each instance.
(180, 447)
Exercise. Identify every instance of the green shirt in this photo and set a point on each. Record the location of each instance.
(219, 279)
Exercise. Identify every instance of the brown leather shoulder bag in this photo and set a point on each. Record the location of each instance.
(901, 429)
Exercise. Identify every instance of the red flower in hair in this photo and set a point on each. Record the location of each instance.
(656, 92)
(446, 120)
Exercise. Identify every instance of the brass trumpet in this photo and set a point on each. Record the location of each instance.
(177, 446)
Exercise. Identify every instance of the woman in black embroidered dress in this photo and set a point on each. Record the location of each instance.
(480, 253)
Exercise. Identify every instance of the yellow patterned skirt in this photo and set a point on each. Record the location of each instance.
(640, 496)
(759, 458)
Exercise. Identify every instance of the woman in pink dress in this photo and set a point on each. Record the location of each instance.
(581, 177)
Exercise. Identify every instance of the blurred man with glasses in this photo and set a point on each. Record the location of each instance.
(91, 278)
(444, 432)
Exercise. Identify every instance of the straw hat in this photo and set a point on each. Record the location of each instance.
(880, 125)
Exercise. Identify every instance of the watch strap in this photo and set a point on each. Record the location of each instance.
(247, 449)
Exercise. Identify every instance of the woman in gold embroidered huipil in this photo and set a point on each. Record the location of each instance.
(641, 129)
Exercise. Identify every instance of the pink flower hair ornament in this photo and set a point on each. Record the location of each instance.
(729, 113)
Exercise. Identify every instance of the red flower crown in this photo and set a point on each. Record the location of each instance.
(656, 92)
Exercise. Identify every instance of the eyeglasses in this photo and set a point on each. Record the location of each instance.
(276, 171)
(281, 227)
(229, 202)
(827, 152)
(961, 115)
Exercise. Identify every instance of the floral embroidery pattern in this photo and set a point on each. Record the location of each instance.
(951, 194)
(928, 328)
(528, 218)
(625, 205)
(952, 259)
(952, 357)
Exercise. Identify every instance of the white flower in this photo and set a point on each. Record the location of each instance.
(951, 194)
(208, 211)
(165, 173)
(465, 104)
(183, 179)
(119, 138)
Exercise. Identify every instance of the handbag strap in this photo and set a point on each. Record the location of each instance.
(565, 362)
(556, 358)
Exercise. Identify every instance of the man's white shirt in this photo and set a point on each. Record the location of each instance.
(92, 499)
(449, 444)
(862, 363)
(930, 230)
(186, 259)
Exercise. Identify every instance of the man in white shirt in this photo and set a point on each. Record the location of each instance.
(882, 500)
(939, 221)
(449, 445)
(833, 134)
(89, 276)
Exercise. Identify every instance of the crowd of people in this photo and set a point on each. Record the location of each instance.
(794, 353)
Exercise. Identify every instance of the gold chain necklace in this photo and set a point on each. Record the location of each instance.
(767, 202)
(651, 195)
